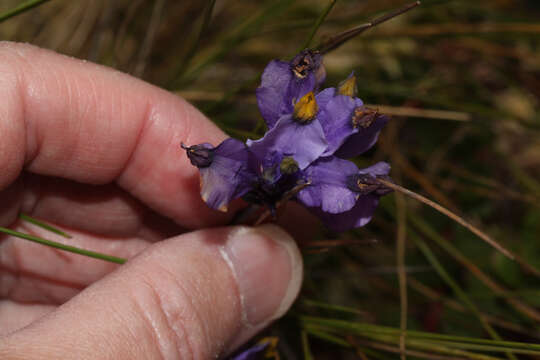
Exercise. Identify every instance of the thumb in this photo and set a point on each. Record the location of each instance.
(195, 296)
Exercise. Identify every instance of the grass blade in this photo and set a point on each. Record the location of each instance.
(451, 215)
(43, 225)
(318, 23)
(57, 245)
(25, 6)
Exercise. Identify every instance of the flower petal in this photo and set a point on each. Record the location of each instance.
(271, 94)
(336, 120)
(328, 185)
(303, 142)
(357, 216)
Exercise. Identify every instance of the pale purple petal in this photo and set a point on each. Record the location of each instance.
(304, 142)
(328, 185)
(379, 169)
(325, 96)
(272, 94)
(336, 120)
(358, 216)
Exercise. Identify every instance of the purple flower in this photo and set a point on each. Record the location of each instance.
(310, 133)
(340, 194)
(224, 172)
(284, 83)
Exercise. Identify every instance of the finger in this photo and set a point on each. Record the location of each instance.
(196, 296)
(15, 316)
(31, 272)
(68, 118)
(113, 211)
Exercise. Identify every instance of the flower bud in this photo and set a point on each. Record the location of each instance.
(305, 62)
(288, 166)
(200, 155)
(365, 184)
(363, 117)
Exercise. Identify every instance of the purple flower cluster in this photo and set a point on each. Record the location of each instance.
(310, 134)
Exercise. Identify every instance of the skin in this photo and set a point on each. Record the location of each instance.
(96, 153)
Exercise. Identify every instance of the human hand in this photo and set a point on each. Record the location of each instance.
(97, 153)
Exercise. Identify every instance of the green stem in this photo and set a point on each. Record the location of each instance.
(60, 246)
(43, 225)
(318, 24)
(21, 8)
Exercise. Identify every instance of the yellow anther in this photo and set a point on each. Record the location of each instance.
(348, 86)
(306, 108)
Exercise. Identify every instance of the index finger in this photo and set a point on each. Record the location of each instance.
(84, 122)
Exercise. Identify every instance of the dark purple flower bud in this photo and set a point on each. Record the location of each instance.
(364, 184)
(308, 62)
(224, 171)
(200, 155)
(284, 83)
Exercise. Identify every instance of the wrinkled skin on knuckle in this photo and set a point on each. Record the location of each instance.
(12, 126)
(174, 322)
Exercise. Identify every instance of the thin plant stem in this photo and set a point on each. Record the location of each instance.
(402, 274)
(337, 40)
(25, 6)
(360, 328)
(57, 245)
(305, 346)
(450, 214)
(43, 225)
(417, 354)
(318, 23)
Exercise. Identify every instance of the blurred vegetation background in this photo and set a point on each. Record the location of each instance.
(462, 81)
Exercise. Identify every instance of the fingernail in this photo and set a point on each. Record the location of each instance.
(267, 266)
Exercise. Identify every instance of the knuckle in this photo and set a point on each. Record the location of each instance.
(171, 316)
